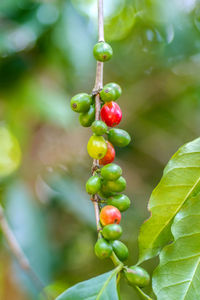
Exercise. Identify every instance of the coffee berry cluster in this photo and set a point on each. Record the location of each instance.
(107, 182)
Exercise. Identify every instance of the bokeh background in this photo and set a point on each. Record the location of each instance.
(45, 58)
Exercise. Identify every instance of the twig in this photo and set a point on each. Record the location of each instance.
(18, 253)
(115, 259)
(12, 242)
(142, 294)
(97, 87)
(100, 21)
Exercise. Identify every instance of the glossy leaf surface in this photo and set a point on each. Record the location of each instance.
(178, 275)
(102, 287)
(180, 181)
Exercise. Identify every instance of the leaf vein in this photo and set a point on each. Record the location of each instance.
(108, 280)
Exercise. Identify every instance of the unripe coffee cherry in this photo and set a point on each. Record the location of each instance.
(112, 231)
(99, 127)
(116, 87)
(122, 202)
(115, 186)
(102, 249)
(111, 114)
(97, 147)
(81, 102)
(104, 191)
(137, 276)
(120, 250)
(93, 185)
(108, 94)
(119, 137)
(102, 51)
(87, 118)
(110, 215)
(110, 155)
(111, 172)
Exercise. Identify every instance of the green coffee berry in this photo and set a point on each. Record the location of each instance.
(105, 191)
(120, 249)
(102, 249)
(116, 87)
(122, 202)
(111, 172)
(87, 118)
(112, 231)
(81, 102)
(99, 127)
(115, 186)
(137, 276)
(93, 185)
(119, 137)
(108, 94)
(102, 51)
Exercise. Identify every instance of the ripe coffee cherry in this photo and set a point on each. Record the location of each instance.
(111, 172)
(116, 87)
(110, 215)
(102, 51)
(115, 186)
(120, 250)
(108, 94)
(97, 147)
(99, 127)
(87, 118)
(122, 202)
(137, 276)
(119, 137)
(111, 114)
(93, 185)
(112, 231)
(110, 155)
(81, 102)
(102, 249)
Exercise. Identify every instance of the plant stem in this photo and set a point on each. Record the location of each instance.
(18, 253)
(115, 259)
(100, 21)
(118, 286)
(99, 70)
(142, 294)
(97, 87)
(12, 242)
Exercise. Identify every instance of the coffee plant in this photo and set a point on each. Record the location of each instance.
(47, 223)
(172, 231)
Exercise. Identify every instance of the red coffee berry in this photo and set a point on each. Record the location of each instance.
(111, 113)
(110, 155)
(110, 215)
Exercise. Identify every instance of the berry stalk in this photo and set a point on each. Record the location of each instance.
(97, 87)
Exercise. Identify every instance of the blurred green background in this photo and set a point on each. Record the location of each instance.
(45, 58)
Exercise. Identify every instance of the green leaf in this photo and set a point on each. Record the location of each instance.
(48, 104)
(178, 275)
(180, 181)
(53, 290)
(102, 287)
(73, 197)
